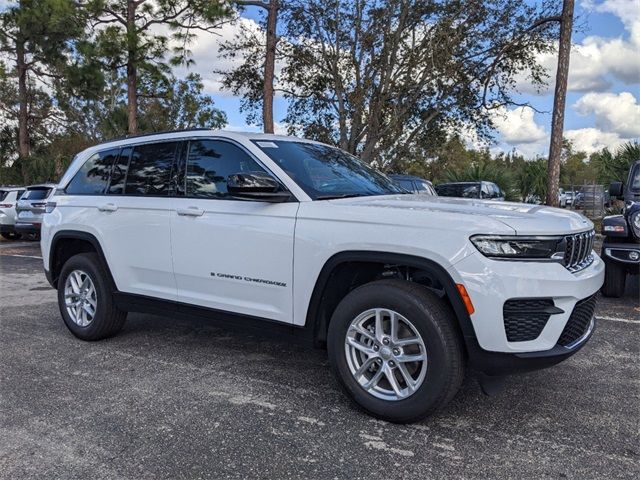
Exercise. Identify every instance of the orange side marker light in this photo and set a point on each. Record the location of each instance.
(465, 298)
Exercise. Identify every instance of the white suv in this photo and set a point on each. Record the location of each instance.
(296, 236)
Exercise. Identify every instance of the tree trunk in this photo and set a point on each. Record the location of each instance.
(132, 71)
(23, 112)
(269, 66)
(557, 124)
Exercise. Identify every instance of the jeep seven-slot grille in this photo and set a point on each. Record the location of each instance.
(525, 318)
(579, 321)
(577, 253)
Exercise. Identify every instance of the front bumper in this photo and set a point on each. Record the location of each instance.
(622, 253)
(491, 283)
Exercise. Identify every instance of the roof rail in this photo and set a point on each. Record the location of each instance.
(142, 135)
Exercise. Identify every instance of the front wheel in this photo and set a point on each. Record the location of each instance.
(85, 298)
(615, 277)
(394, 348)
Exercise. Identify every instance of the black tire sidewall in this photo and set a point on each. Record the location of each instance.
(88, 263)
(428, 398)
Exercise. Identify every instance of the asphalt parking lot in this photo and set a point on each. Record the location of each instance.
(173, 398)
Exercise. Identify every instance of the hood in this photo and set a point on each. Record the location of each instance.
(524, 218)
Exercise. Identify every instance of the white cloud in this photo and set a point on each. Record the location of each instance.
(518, 126)
(205, 50)
(597, 61)
(613, 113)
(592, 139)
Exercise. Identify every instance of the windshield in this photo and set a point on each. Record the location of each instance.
(635, 179)
(465, 190)
(325, 172)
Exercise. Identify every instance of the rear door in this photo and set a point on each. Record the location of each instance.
(130, 214)
(229, 254)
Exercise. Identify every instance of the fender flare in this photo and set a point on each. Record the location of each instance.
(435, 269)
(75, 235)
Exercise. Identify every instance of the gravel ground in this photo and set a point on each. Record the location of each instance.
(172, 398)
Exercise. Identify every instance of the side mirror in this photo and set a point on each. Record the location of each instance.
(615, 189)
(256, 186)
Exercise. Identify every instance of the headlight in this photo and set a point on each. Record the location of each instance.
(516, 247)
(635, 223)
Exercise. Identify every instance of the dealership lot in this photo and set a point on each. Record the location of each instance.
(174, 398)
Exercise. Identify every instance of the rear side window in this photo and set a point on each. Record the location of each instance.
(3, 194)
(93, 177)
(119, 172)
(36, 194)
(150, 169)
(209, 164)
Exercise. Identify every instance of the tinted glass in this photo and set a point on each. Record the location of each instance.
(406, 184)
(423, 187)
(119, 172)
(3, 194)
(150, 169)
(465, 190)
(93, 176)
(325, 172)
(635, 179)
(36, 194)
(209, 164)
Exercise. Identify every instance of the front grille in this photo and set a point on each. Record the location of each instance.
(579, 321)
(525, 318)
(577, 252)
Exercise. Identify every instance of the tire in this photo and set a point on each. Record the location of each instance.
(431, 318)
(107, 319)
(615, 277)
(11, 235)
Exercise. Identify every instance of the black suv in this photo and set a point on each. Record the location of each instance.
(621, 247)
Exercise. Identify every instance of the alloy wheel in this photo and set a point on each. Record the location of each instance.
(386, 354)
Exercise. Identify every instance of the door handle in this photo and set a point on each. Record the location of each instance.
(190, 212)
(108, 207)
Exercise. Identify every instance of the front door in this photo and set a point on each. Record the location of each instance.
(228, 254)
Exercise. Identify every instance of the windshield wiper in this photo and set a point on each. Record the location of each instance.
(341, 195)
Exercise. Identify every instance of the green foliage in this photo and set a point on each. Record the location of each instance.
(379, 78)
(614, 167)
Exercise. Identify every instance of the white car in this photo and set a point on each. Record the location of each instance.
(295, 236)
(8, 198)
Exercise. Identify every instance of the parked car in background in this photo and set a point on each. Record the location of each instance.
(570, 195)
(562, 198)
(592, 198)
(484, 190)
(414, 184)
(31, 207)
(8, 199)
(621, 246)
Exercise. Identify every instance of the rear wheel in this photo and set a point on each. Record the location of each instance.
(615, 277)
(85, 298)
(11, 235)
(395, 350)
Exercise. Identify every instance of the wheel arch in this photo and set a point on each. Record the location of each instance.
(318, 316)
(67, 243)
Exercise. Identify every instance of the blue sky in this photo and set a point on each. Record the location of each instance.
(604, 84)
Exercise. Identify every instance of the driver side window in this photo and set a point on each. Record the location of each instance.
(209, 164)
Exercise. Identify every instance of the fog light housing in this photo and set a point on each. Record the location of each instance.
(634, 256)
